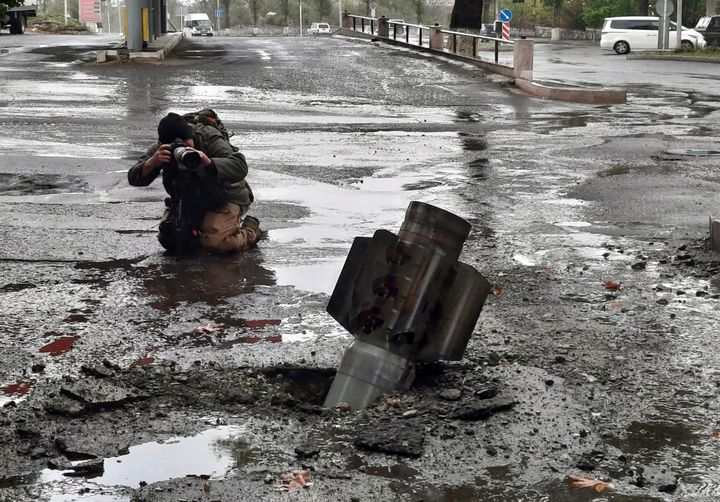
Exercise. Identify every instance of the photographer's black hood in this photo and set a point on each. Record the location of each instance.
(173, 126)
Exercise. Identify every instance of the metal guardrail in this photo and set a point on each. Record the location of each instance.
(401, 32)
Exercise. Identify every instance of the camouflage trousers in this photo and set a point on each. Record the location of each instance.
(222, 231)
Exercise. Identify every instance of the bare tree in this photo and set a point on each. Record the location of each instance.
(466, 16)
(254, 6)
(226, 13)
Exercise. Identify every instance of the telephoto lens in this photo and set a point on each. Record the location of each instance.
(186, 157)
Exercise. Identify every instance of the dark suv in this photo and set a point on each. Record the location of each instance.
(709, 27)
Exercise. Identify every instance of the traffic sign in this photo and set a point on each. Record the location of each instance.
(373, 6)
(664, 8)
(505, 15)
(218, 13)
(506, 31)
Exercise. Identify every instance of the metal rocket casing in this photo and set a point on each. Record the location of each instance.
(409, 298)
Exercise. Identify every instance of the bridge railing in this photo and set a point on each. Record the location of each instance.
(432, 37)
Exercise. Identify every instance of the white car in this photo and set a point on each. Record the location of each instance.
(638, 33)
(398, 25)
(319, 29)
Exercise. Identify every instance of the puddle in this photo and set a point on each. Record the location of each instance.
(693, 152)
(317, 278)
(398, 183)
(395, 471)
(211, 453)
(524, 260)
(89, 498)
(205, 279)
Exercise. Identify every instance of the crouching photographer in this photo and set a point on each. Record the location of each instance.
(204, 175)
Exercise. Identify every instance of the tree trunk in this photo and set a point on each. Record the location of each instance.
(226, 13)
(711, 8)
(643, 7)
(286, 11)
(466, 14)
(419, 11)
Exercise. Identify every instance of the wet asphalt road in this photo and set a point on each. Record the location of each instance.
(340, 135)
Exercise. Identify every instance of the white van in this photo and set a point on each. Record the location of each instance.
(198, 24)
(638, 33)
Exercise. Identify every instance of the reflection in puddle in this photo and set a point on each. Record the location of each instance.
(204, 454)
(318, 277)
(524, 260)
(207, 279)
(89, 498)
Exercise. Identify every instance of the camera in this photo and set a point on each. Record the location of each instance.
(185, 157)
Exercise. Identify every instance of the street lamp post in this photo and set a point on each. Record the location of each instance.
(301, 22)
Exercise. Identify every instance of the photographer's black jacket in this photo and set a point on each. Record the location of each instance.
(228, 165)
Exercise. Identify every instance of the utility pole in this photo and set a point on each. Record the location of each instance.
(301, 23)
(679, 24)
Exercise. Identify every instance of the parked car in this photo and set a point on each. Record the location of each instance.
(638, 33)
(319, 29)
(488, 30)
(709, 28)
(397, 25)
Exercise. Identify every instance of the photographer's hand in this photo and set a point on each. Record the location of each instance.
(204, 159)
(161, 156)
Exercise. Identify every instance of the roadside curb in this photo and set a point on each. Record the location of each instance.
(602, 96)
(673, 58)
(156, 51)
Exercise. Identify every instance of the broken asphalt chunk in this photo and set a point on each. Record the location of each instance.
(96, 371)
(405, 438)
(484, 409)
(100, 395)
(306, 451)
(61, 405)
(74, 450)
(89, 469)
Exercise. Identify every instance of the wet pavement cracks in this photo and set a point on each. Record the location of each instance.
(589, 220)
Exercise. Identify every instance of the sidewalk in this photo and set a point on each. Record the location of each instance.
(156, 50)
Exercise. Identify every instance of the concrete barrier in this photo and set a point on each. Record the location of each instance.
(156, 51)
(523, 51)
(383, 27)
(573, 94)
(715, 232)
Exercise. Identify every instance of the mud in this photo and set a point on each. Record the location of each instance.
(130, 375)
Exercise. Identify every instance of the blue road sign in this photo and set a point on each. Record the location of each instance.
(218, 13)
(505, 15)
